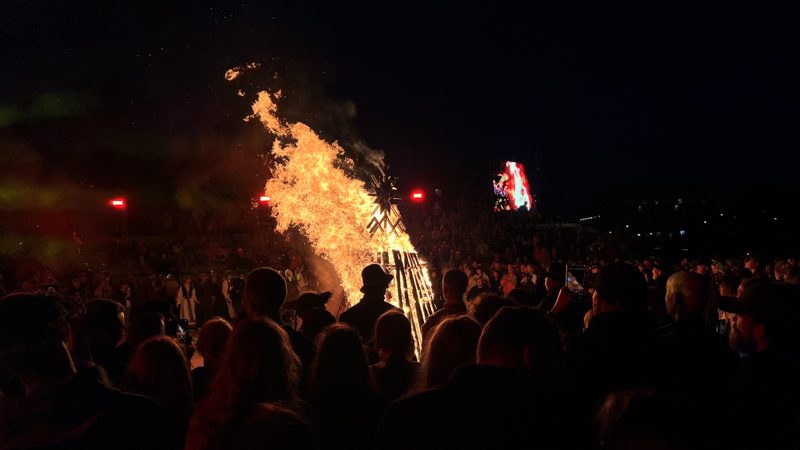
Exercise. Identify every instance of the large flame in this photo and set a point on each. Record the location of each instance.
(308, 189)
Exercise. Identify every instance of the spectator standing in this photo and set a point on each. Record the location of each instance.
(365, 313)
(454, 284)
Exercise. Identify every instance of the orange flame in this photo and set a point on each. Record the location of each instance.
(308, 190)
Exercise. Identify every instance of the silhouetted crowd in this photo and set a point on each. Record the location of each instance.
(643, 356)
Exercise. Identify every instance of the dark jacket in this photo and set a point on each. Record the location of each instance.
(395, 377)
(616, 351)
(479, 407)
(364, 314)
(765, 410)
(85, 413)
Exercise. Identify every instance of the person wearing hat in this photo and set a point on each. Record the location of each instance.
(365, 313)
(553, 282)
(767, 394)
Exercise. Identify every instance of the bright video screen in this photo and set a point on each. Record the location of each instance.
(511, 189)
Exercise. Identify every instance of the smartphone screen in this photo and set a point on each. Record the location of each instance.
(575, 278)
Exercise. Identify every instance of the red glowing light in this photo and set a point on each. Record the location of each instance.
(264, 199)
(417, 196)
(117, 203)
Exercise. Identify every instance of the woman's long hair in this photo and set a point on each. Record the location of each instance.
(341, 367)
(159, 369)
(454, 342)
(259, 366)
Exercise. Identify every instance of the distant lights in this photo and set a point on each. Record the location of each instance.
(417, 195)
(117, 203)
(705, 221)
(638, 234)
(775, 219)
(627, 226)
(589, 218)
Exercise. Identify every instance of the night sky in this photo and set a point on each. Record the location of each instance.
(131, 95)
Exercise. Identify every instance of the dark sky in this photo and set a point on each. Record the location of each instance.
(592, 95)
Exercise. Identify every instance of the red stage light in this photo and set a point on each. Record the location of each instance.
(117, 203)
(264, 199)
(417, 196)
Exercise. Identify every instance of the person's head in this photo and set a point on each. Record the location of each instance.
(752, 263)
(212, 339)
(264, 293)
(393, 339)
(554, 277)
(454, 284)
(268, 422)
(159, 369)
(486, 306)
(341, 365)
(314, 321)
(187, 280)
(375, 280)
(144, 326)
(729, 284)
(510, 269)
(258, 365)
(687, 295)
(763, 318)
(454, 342)
(619, 286)
(100, 329)
(520, 336)
(34, 332)
(203, 277)
(630, 420)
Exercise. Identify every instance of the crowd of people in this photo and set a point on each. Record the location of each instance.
(527, 363)
(632, 353)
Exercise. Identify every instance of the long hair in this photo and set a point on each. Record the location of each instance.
(159, 369)
(259, 366)
(454, 342)
(393, 335)
(341, 367)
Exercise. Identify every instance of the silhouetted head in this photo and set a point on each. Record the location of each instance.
(520, 336)
(212, 339)
(100, 329)
(34, 332)
(687, 295)
(454, 342)
(159, 369)
(619, 286)
(393, 338)
(454, 285)
(375, 280)
(341, 365)
(264, 293)
(486, 306)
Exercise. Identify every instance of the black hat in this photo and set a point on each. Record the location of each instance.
(556, 271)
(307, 301)
(374, 275)
(770, 304)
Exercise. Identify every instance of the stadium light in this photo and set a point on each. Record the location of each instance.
(264, 199)
(417, 195)
(118, 203)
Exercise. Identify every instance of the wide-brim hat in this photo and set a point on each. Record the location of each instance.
(374, 275)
